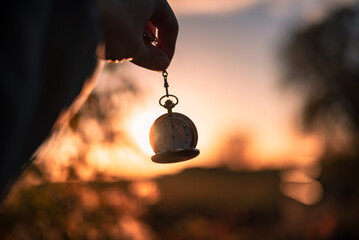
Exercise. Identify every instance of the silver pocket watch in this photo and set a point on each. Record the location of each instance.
(173, 136)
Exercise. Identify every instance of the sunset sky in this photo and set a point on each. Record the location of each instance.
(226, 73)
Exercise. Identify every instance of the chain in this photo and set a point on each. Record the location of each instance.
(165, 74)
(168, 104)
(150, 37)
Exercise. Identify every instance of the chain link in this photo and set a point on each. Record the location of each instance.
(165, 74)
(169, 104)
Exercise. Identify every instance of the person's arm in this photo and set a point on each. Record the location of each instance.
(50, 50)
(123, 24)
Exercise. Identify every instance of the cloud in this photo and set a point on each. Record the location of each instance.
(189, 7)
(210, 7)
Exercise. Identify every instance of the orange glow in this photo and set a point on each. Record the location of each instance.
(140, 127)
(209, 6)
(306, 193)
(130, 152)
(299, 186)
(146, 190)
(258, 173)
(131, 228)
(234, 89)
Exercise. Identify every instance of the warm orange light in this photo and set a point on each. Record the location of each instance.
(140, 127)
(301, 187)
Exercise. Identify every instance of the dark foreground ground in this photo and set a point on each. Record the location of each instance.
(194, 204)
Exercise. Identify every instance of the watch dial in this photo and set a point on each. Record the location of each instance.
(171, 134)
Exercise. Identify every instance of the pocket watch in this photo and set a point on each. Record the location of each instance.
(173, 136)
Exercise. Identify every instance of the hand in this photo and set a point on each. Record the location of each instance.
(124, 23)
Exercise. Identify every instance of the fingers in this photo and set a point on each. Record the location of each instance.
(159, 57)
(152, 58)
(123, 24)
(166, 22)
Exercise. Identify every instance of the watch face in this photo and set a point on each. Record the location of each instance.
(172, 133)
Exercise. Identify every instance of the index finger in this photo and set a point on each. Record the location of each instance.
(166, 22)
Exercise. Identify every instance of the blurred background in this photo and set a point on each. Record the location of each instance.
(272, 86)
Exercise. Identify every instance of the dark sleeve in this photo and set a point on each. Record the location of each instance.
(47, 51)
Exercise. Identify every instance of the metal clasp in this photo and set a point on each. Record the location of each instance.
(168, 104)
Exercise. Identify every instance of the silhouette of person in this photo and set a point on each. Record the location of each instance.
(48, 50)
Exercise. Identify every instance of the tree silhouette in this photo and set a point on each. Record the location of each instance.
(323, 62)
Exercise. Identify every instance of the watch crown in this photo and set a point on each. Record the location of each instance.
(169, 105)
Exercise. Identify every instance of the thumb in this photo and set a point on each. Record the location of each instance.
(152, 58)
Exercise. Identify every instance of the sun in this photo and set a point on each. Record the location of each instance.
(140, 128)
